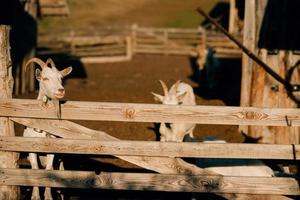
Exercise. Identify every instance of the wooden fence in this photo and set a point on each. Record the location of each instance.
(119, 44)
(174, 174)
(168, 41)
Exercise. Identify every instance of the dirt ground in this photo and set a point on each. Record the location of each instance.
(133, 82)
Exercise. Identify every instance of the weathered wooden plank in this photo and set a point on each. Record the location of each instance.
(223, 44)
(150, 148)
(232, 16)
(104, 48)
(7, 159)
(103, 59)
(55, 11)
(249, 41)
(52, 2)
(102, 54)
(162, 51)
(171, 30)
(221, 50)
(152, 182)
(82, 110)
(153, 41)
(228, 56)
(93, 40)
(164, 47)
(71, 130)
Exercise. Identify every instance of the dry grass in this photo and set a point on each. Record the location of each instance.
(171, 13)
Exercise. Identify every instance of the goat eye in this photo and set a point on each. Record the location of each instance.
(45, 79)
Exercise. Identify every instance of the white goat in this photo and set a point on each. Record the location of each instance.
(234, 167)
(51, 89)
(179, 94)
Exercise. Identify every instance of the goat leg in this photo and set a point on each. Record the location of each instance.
(32, 157)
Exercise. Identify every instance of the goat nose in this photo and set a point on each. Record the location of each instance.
(61, 91)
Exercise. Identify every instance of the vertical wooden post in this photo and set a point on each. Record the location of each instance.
(232, 16)
(72, 43)
(134, 37)
(28, 81)
(258, 88)
(7, 159)
(247, 63)
(166, 41)
(129, 50)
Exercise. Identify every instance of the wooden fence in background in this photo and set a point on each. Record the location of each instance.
(107, 45)
(164, 158)
(169, 41)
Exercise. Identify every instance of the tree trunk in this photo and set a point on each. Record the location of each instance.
(7, 159)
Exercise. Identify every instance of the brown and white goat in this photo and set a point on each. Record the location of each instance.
(50, 89)
(179, 94)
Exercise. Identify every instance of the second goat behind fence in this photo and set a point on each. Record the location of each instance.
(180, 93)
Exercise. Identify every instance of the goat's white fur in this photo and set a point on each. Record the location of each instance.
(234, 167)
(51, 89)
(179, 94)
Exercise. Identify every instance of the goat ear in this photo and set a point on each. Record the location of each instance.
(158, 97)
(180, 96)
(38, 74)
(66, 71)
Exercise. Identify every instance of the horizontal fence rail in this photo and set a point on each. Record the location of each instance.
(150, 148)
(152, 182)
(131, 112)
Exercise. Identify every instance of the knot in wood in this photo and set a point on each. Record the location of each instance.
(129, 113)
(209, 185)
(252, 115)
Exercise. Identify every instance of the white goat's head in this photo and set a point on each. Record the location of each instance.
(171, 97)
(50, 78)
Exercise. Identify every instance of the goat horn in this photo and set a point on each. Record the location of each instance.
(50, 61)
(41, 63)
(165, 88)
(174, 87)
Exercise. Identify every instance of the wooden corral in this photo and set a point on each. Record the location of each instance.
(155, 156)
(125, 42)
(172, 173)
(176, 175)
